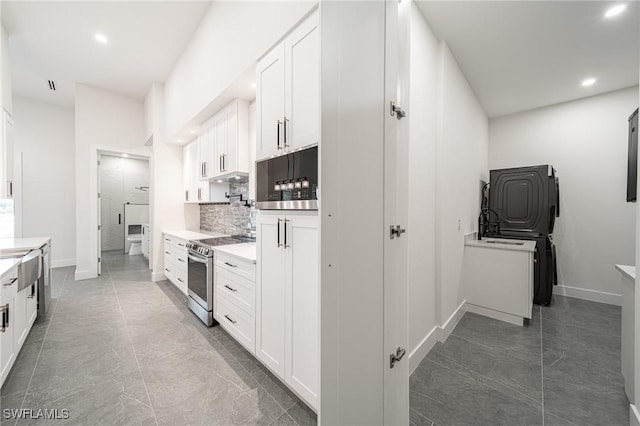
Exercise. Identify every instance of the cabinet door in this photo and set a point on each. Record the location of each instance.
(302, 342)
(303, 85)
(270, 292)
(187, 172)
(220, 129)
(20, 319)
(204, 153)
(7, 353)
(8, 155)
(230, 147)
(270, 102)
(32, 304)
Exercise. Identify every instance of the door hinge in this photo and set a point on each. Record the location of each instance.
(396, 231)
(99, 228)
(397, 112)
(394, 358)
(98, 195)
(99, 259)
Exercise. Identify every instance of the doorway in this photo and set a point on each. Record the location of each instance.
(123, 207)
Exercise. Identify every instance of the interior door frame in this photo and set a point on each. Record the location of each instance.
(142, 153)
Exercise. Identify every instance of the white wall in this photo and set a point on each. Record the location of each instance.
(230, 38)
(44, 133)
(167, 206)
(103, 120)
(448, 152)
(119, 178)
(586, 141)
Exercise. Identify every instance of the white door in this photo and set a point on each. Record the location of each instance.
(396, 320)
(20, 319)
(302, 342)
(270, 102)
(230, 152)
(99, 220)
(302, 124)
(270, 291)
(6, 338)
(220, 144)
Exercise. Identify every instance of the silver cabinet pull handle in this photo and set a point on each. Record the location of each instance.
(229, 264)
(285, 233)
(231, 288)
(230, 320)
(278, 140)
(179, 279)
(181, 260)
(13, 280)
(4, 309)
(286, 120)
(279, 220)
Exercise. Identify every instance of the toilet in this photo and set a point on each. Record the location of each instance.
(136, 244)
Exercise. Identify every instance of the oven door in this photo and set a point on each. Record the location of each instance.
(200, 280)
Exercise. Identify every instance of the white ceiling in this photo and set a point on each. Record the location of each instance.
(519, 55)
(55, 40)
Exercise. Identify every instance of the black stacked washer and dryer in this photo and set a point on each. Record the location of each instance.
(524, 203)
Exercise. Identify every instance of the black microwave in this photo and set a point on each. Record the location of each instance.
(288, 182)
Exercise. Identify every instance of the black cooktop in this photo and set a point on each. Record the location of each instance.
(223, 241)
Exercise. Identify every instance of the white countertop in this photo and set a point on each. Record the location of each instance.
(7, 264)
(194, 235)
(245, 251)
(628, 271)
(15, 244)
(503, 244)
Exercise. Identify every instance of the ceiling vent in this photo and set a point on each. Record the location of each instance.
(52, 85)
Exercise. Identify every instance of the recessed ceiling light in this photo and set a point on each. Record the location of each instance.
(615, 10)
(125, 155)
(253, 85)
(219, 181)
(101, 38)
(588, 82)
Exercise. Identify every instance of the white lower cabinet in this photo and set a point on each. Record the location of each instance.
(18, 312)
(234, 298)
(287, 299)
(176, 261)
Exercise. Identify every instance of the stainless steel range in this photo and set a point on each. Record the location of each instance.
(200, 274)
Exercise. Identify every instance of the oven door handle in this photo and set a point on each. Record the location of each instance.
(197, 259)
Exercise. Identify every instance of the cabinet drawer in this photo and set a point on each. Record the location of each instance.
(238, 323)
(170, 240)
(181, 280)
(237, 289)
(234, 264)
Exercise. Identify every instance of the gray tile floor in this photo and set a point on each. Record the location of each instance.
(561, 369)
(120, 349)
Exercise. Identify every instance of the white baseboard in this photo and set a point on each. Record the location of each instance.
(592, 295)
(61, 263)
(437, 334)
(157, 276)
(85, 275)
(634, 415)
(497, 315)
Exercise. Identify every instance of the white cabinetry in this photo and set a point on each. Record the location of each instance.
(176, 261)
(8, 332)
(288, 92)
(287, 299)
(223, 142)
(195, 190)
(234, 298)
(498, 278)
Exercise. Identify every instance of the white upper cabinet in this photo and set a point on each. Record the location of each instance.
(8, 155)
(288, 92)
(302, 107)
(270, 102)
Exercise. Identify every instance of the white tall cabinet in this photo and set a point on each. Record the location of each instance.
(288, 92)
(6, 152)
(287, 299)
